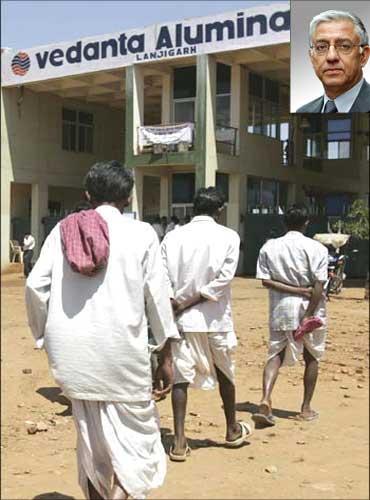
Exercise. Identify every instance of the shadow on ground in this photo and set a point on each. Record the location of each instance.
(194, 444)
(53, 495)
(253, 408)
(54, 395)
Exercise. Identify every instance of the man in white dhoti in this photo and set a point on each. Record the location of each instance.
(294, 268)
(201, 258)
(86, 298)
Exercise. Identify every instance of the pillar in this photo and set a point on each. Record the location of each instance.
(137, 193)
(39, 209)
(134, 110)
(239, 102)
(167, 94)
(164, 196)
(5, 219)
(205, 128)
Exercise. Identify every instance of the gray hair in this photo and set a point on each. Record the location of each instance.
(334, 15)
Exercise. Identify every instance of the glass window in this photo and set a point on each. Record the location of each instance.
(222, 183)
(183, 188)
(223, 110)
(339, 138)
(185, 82)
(255, 85)
(269, 195)
(184, 111)
(77, 129)
(223, 79)
(253, 193)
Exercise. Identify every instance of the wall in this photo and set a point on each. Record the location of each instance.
(31, 153)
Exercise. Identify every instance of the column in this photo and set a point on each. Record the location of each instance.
(137, 193)
(39, 209)
(134, 110)
(239, 102)
(164, 196)
(167, 94)
(5, 218)
(233, 207)
(205, 141)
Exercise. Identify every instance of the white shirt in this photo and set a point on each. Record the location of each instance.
(344, 102)
(28, 242)
(159, 230)
(294, 260)
(202, 256)
(95, 328)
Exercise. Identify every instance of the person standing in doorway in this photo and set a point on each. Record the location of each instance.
(28, 247)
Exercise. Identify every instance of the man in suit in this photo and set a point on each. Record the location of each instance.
(339, 49)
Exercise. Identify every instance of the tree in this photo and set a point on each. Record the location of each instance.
(357, 222)
(357, 225)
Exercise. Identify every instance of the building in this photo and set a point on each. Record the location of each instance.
(186, 104)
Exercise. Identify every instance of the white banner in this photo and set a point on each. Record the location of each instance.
(165, 134)
(253, 27)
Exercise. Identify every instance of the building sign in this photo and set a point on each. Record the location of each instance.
(257, 26)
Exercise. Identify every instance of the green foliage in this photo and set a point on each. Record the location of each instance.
(357, 221)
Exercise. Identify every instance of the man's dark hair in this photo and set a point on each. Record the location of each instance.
(109, 181)
(207, 201)
(296, 216)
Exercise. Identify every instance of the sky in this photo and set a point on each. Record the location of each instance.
(29, 23)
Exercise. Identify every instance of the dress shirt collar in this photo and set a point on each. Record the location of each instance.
(108, 210)
(344, 102)
(294, 234)
(203, 218)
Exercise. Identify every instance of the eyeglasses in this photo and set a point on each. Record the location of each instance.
(344, 47)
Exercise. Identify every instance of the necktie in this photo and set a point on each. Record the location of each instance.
(330, 107)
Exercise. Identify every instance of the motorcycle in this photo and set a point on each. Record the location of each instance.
(337, 260)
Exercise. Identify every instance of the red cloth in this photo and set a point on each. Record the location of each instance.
(85, 241)
(307, 326)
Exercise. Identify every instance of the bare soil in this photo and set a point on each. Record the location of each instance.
(323, 459)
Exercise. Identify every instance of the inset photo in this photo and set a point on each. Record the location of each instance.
(330, 68)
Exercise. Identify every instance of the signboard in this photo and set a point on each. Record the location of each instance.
(254, 27)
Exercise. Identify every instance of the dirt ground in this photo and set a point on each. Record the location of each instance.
(324, 459)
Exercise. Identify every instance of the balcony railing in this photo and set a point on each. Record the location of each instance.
(226, 138)
(158, 139)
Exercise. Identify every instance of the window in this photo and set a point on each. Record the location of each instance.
(183, 188)
(222, 183)
(223, 94)
(184, 92)
(264, 108)
(77, 131)
(266, 196)
(334, 143)
(339, 139)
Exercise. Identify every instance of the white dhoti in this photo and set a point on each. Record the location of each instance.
(196, 355)
(314, 342)
(122, 440)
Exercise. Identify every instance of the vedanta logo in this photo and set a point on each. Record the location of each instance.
(21, 63)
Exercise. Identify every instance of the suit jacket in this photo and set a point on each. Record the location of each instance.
(361, 104)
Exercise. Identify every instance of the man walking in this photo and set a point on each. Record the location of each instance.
(28, 247)
(294, 269)
(86, 298)
(201, 258)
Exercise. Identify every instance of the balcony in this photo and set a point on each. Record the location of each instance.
(159, 139)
